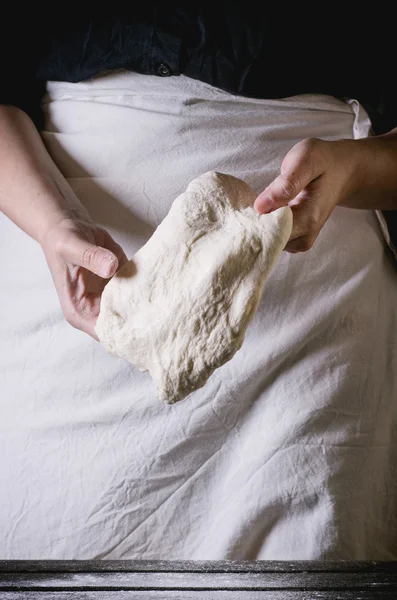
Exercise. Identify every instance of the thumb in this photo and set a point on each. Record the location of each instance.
(96, 259)
(300, 167)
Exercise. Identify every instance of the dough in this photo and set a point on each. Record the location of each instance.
(180, 308)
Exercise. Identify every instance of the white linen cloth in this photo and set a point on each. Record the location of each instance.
(290, 451)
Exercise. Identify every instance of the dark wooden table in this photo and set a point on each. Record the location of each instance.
(223, 580)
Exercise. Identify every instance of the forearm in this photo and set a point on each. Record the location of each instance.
(376, 173)
(33, 192)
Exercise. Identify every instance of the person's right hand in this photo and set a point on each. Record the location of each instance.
(37, 197)
(81, 257)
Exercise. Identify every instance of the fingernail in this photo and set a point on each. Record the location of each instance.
(107, 266)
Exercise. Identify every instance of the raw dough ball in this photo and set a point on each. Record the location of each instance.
(180, 308)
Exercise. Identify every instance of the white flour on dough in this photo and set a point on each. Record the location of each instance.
(180, 308)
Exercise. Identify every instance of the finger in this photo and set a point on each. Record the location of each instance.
(98, 260)
(78, 322)
(302, 165)
(115, 248)
(88, 327)
(301, 244)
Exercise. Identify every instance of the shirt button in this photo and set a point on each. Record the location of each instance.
(163, 70)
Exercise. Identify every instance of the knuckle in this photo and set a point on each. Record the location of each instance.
(313, 222)
(287, 185)
(310, 145)
(315, 154)
(305, 243)
(60, 243)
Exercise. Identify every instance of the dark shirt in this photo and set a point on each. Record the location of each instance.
(238, 47)
(241, 47)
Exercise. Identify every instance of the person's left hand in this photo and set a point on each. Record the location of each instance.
(315, 176)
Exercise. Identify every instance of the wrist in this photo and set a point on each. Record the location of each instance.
(63, 209)
(374, 185)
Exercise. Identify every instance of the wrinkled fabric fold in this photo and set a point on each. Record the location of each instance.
(290, 450)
